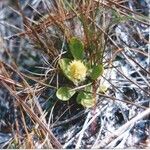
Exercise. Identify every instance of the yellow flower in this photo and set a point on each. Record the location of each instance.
(77, 70)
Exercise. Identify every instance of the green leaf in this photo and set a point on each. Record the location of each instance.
(81, 95)
(64, 93)
(88, 103)
(64, 63)
(103, 88)
(97, 70)
(85, 99)
(88, 88)
(76, 48)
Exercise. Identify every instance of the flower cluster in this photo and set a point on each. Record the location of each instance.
(77, 70)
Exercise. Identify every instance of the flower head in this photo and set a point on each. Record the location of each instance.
(77, 70)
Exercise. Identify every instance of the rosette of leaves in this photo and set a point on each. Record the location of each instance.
(77, 71)
(85, 97)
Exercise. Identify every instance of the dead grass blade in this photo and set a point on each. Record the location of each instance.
(53, 139)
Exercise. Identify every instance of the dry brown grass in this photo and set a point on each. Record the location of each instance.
(49, 34)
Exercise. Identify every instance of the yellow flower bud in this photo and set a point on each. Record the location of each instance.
(77, 70)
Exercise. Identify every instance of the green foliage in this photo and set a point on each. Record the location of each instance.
(76, 48)
(74, 70)
(64, 93)
(80, 96)
(64, 63)
(85, 99)
(88, 103)
(97, 70)
(103, 89)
